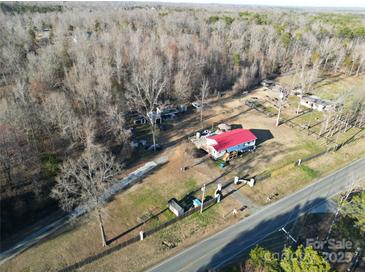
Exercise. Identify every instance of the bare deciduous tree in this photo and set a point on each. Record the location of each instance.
(204, 90)
(84, 181)
(145, 87)
(283, 97)
(182, 86)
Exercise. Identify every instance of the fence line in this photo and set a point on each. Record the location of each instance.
(150, 232)
(174, 220)
(135, 239)
(260, 177)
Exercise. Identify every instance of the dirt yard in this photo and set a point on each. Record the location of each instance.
(277, 148)
(146, 199)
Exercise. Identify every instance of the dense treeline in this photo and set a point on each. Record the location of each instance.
(23, 8)
(69, 76)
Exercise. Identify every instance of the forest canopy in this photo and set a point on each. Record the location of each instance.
(72, 72)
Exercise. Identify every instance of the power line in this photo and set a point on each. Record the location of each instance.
(339, 206)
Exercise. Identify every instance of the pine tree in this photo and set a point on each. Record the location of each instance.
(303, 260)
(355, 209)
(263, 260)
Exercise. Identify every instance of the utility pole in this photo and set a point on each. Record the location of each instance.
(203, 190)
(288, 234)
(339, 207)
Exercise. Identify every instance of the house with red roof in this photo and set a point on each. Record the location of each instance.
(237, 140)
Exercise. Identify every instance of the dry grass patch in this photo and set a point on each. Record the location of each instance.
(150, 196)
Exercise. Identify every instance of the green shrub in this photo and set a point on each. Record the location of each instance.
(213, 19)
(261, 19)
(22, 8)
(285, 38)
(50, 164)
(228, 20)
(345, 25)
(236, 59)
(244, 14)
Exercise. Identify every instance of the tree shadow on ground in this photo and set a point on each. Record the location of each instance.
(188, 199)
(297, 116)
(246, 240)
(110, 241)
(322, 82)
(186, 136)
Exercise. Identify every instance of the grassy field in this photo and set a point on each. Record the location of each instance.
(278, 148)
(341, 87)
(75, 245)
(141, 202)
(333, 87)
(288, 178)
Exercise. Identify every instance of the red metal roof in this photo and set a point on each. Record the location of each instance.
(232, 138)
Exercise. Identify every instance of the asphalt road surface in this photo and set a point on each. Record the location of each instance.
(221, 248)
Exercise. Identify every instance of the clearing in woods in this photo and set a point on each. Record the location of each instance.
(278, 148)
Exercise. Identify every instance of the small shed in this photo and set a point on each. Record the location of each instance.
(224, 127)
(175, 207)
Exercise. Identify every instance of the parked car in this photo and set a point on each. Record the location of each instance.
(196, 105)
(134, 144)
(267, 83)
(158, 147)
(143, 142)
(206, 132)
(182, 108)
(139, 143)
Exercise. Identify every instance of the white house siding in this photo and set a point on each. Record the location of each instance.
(218, 154)
(215, 153)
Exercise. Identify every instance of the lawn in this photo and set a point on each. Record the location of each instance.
(278, 148)
(341, 86)
(289, 178)
(140, 203)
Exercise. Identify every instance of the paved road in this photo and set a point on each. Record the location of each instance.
(219, 249)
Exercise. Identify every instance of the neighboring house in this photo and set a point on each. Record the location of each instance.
(155, 116)
(140, 120)
(160, 114)
(237, 140)
(317, 103)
